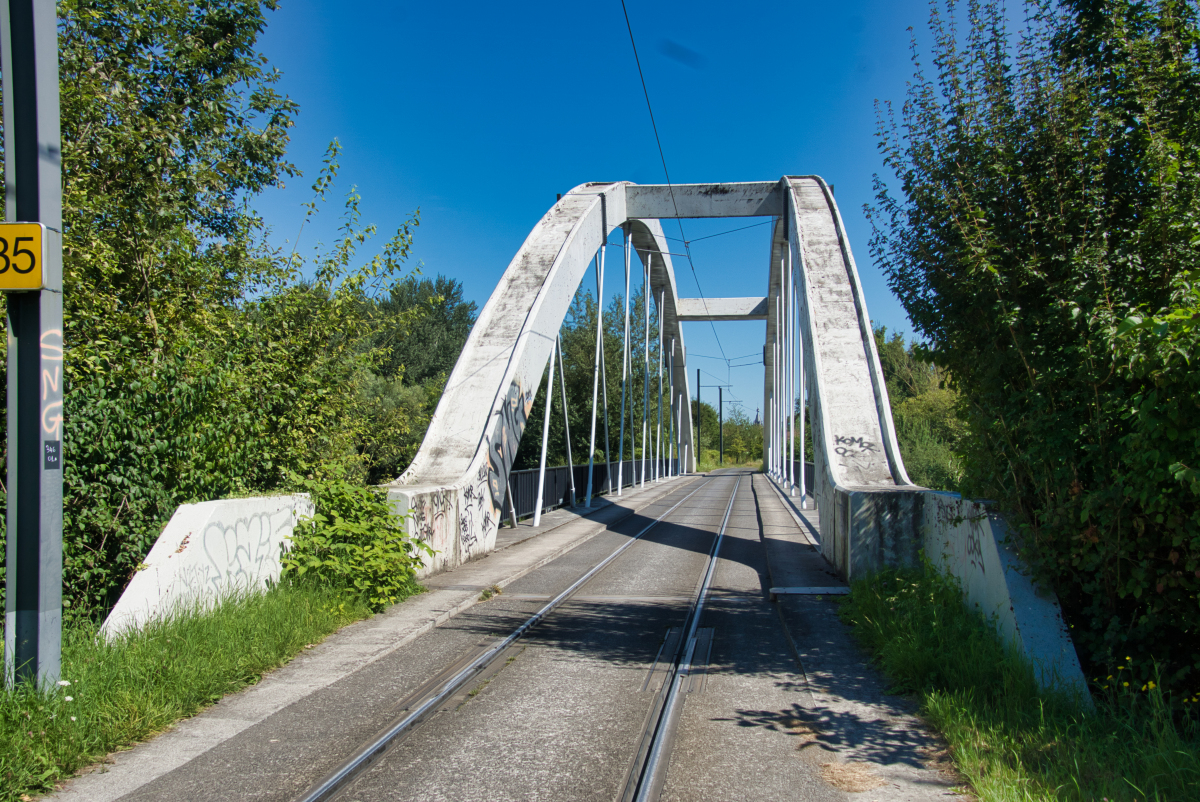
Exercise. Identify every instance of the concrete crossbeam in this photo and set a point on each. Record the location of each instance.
(699, 309)
(663, 201)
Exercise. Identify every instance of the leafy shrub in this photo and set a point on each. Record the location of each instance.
(1049, 192)
(355, 542)
(928, 457)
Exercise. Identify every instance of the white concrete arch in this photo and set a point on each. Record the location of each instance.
(456, 484)
(868, 504)
(855, 437)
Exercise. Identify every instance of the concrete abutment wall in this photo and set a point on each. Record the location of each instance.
(866, 530)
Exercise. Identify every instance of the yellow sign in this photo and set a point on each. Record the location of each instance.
(21, 256)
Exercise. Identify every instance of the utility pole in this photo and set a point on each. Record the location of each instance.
(31, 245)
(699, 449)
(721, 423)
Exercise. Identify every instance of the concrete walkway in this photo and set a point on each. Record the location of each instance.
(868, 742)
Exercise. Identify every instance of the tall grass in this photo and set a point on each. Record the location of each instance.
(127, 689)
(1008, 738)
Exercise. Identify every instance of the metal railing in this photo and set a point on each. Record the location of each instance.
(522, 485)
(810, 474)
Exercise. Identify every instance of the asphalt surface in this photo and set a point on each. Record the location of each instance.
(785, 706)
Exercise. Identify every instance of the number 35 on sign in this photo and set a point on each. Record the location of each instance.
(21, 256)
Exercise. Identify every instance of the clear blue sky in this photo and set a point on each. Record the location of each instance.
(480, 113)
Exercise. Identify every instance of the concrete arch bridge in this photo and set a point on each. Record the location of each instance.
(819, 347)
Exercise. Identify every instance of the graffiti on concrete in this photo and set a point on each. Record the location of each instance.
(488, 522)
(466, 527)
(429, 515)
(506, 436)
(975, 546)
(853, 446)
(477, 519)
(952, 514)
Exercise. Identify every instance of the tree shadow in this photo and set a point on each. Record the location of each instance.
(863, 733)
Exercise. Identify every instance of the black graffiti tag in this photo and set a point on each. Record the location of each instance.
(506, 436)
(466, 528)
(852, 446)
(975, 546)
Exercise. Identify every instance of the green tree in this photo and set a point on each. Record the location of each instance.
(170, 118)
(925, 411)
(1047, 205)
(199, 362)
(418, 330)
(426, 346)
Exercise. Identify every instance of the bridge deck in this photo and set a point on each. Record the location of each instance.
(561, 715)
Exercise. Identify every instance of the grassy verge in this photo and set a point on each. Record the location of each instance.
(1008, 739)
(126, 690)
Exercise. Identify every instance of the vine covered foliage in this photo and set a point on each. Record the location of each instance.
(1043, 233)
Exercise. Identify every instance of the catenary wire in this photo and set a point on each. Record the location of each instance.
(670, 186)
(720, 233)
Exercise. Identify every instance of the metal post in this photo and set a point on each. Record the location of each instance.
(562, 383)
(793, 325)
(596, 373)
(778, 398)
(802, 387)
(671, 413)
(787, 376)
(783, 370)
(512, 506)
(676, 434)
(721, 424)
(624, 370)
(791, 375)
(699, 445)
(679, 436)
(604, 383)
(646, 371)
(781, 330)
(766, 428)
(33, 193)
(658, 467)
(537, 509)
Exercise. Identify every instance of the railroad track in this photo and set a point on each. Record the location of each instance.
(678, 655)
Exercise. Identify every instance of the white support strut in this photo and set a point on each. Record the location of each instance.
(537, 509)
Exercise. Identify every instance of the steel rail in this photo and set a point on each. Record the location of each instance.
(650, 779)
(338, 779)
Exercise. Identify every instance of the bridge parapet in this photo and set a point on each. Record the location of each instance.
(455, 521)
(867, 529)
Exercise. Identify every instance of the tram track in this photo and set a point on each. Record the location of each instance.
(649, 770)
(450, 687)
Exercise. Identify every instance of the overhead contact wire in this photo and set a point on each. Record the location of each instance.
(667, 173)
